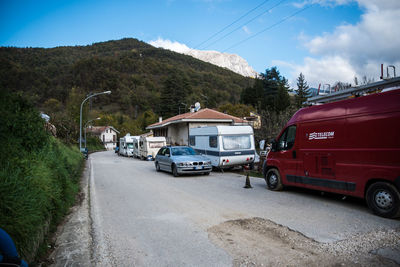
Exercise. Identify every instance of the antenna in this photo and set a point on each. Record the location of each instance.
(197, 106)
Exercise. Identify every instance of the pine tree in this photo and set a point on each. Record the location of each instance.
(303, 91)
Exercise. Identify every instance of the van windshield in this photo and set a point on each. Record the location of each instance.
(236, 142)
(156, 144)
(130, 145)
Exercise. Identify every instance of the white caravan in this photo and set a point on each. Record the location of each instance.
(126, 145)
(225, 146)
(136, 148)
(149, 146)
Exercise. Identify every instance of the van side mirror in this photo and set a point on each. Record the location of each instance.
(274, 146)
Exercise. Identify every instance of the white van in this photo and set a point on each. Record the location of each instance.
(149, 146)
(126, 145)
(226, 146)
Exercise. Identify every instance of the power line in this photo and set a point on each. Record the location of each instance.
(212, 36)
(270, 27)
(259, 15)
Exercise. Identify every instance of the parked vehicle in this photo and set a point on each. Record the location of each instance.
(149, 146)
(226, 146)
(351, 147)
(126, 145)
(181, 160)
(136, 147)
(116, 150)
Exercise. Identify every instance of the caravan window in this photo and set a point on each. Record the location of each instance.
(213, 141)
(236, 142)
(156, 144)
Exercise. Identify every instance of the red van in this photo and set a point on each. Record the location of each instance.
(350, 147)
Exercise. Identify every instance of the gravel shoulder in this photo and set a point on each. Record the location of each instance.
(261, 242)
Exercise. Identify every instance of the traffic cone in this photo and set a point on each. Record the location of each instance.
(247, 185)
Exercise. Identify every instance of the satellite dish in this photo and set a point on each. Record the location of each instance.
(197, 106)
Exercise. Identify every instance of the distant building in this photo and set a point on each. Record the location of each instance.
(254, 120)
(107, 134)
(176, 129)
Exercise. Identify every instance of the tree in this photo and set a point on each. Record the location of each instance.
(270, 92)
(237, 110)
(174, 92)
(303, 91)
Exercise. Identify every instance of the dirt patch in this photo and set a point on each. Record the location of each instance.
(260, 242)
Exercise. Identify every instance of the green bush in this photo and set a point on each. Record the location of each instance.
(39, 179)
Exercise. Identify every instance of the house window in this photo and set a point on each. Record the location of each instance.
(113, 137)
(213, 142)
(103, 138)
(192, 140)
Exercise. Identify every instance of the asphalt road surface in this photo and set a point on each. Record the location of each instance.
(146, 218)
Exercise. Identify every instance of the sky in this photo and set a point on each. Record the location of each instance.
(326, 40)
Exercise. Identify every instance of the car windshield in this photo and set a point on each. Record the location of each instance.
(183, 151)
(130, 145)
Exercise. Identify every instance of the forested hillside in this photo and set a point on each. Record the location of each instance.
(144, 80)
(134, 71)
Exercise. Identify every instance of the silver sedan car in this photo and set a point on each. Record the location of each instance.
(181, 160)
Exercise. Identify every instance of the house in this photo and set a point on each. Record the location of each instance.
(176, 129)
(254, 120)
(107, 134)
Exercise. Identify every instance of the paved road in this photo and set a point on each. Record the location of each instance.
(144, 218)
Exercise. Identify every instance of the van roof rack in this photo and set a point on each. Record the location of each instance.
(385, 85)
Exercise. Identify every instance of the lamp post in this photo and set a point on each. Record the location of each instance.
(80, 115)
(87, 124)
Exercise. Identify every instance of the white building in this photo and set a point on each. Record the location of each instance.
(107, 134)
(176, 129)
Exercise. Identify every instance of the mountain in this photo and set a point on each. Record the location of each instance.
(134, 71)
(232, 62)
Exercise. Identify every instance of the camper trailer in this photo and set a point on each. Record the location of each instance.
(126, 145)
(149, 146)
(350, 147)
(225, 146)
(136, 147)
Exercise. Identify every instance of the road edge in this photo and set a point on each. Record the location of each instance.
(73, 239)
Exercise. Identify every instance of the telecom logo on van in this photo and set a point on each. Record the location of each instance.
(322, 135)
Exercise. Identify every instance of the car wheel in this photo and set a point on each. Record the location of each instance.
(174, 171)
(273, 179)
(157, 166)
(384, 200)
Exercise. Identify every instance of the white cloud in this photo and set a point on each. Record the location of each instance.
(354, 50)
(173, 46)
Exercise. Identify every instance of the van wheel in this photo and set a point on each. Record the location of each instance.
(273, 179)
(174, 171)
(384, 200)
(157, 166)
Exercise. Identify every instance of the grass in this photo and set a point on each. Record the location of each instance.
(36, 193)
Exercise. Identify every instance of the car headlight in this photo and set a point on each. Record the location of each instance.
(208, 162)
(185, 164)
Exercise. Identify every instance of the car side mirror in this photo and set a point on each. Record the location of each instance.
(167, 155)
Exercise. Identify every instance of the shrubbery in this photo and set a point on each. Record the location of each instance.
(39, 175)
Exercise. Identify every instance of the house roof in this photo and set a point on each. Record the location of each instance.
(203, 115)
(100, 129)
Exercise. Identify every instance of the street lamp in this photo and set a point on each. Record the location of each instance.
(87, 124)
(80, 115)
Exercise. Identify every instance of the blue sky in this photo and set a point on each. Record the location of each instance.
(324, 41)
